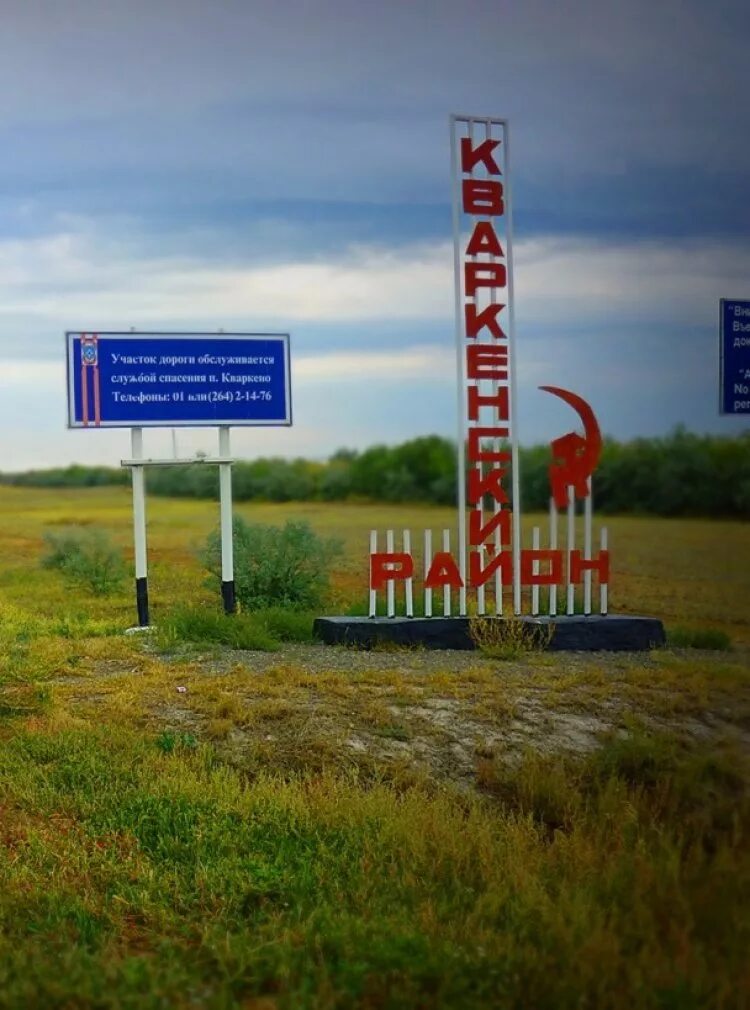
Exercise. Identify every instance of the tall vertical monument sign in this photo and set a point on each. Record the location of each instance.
(482, 568)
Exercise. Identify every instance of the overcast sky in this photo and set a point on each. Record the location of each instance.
(176, 164)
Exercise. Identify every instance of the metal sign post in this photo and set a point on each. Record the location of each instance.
(227, 546)
(147, 380)
(138, 464)
(139, 528)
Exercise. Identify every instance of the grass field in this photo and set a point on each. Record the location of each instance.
(187, 825)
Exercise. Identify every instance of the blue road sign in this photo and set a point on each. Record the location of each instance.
(132, 380)
(734, 327)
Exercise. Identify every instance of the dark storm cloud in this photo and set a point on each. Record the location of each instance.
(627, 117)
(177, 160)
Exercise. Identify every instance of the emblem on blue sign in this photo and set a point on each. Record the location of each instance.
(89, 350)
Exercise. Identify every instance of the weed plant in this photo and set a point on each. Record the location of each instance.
(509, 637)
(286, 566)
(86, 556)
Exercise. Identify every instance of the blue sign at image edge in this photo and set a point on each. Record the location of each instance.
(734, 356)
(119, 379)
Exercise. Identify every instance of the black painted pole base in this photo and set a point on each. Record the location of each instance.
(227, 595)
(141, 600)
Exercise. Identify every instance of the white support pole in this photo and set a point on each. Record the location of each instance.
(552, 547)
(460, 370)
(512, 374)
(495, 386)
(498, 574)
(587, 519)
(227, 545)
(535, 571)
(139, 528)
(373, 603)
(603, 601)
(390, 586)
(427, 563)
(481, 606)
(571, 600)
(447, 589)
(409, 585)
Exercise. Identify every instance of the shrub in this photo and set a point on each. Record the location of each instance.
(699, 638)
(87, 556)
(276, 566)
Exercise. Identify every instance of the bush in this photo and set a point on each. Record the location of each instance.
(699, 638)
(276, 566)
(87, 556)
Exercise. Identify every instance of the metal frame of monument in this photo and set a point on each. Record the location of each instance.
(491, 562)
(83, 386)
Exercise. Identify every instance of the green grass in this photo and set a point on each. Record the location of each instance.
(208, 624)
(688, 572)
(699, 638)
(289, 826)
(156, 876)
(261, 630)
(287, 625)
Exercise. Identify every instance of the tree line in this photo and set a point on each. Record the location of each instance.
(681, 474)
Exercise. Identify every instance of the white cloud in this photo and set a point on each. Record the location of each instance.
(395, 366)
(577, 280)
(568, 292)
(79, 278)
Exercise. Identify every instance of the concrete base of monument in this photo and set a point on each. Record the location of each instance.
(612, 633)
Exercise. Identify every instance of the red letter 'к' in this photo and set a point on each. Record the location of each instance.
(487, 317)
(471, 156)
(490, 483)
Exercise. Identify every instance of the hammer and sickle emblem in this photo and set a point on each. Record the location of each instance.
(574, 456)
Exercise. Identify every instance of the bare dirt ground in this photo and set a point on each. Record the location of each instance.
(413, 713)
